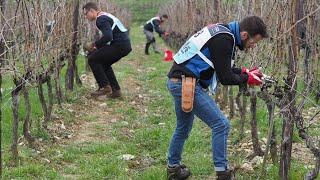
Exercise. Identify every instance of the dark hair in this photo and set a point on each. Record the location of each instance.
(165, 16)
(254, 25)
(90, 5)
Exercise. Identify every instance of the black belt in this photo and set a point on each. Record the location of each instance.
(175, 80)
(179, 79)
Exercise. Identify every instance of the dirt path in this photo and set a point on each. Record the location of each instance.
(95, 116)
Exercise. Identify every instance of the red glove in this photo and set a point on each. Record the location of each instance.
(254, 76)
(256, 71)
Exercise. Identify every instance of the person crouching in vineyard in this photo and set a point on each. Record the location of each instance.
(110, 48)
(154, 25)
(203, 61)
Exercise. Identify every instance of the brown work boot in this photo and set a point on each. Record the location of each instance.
(102, 91)
(225, 175)
(115, 94)
(178, 172)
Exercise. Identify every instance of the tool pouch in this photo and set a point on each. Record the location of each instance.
(188, 88)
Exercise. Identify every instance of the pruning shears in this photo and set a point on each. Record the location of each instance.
(267, 81)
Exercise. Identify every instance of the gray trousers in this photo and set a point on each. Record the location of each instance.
(151, 39)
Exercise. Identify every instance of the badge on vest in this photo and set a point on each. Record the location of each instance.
(193, 46)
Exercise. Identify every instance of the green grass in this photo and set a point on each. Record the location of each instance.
(142, 10)
(149, 141)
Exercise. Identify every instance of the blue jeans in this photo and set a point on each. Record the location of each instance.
(207, 110)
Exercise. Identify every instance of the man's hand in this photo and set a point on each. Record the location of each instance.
(254, 76)
(89, 47)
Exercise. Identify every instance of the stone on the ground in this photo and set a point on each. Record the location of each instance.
(247, 167)
(256, 161)
(62, 126)
(127, 157)
(103, 105)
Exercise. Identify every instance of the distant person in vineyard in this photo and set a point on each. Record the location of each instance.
(154, 25)
(110, 48)
(203, 61)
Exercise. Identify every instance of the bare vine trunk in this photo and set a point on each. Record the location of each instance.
(15, 124)
(273, 140)
(71, 70)
(241, 101)
(58, 90)
(288, 104)
(43, 104)
(231, 102)
(26, 124)
(254, 129)
(225, 95)
(57, 74)
(50, 98)
(288, 120)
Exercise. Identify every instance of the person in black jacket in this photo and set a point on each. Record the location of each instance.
(207, 56)
(154, 25)
(110, 48)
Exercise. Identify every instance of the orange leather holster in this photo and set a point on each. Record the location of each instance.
(188, 89)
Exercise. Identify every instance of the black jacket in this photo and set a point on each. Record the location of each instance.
(104, 24)
(156, 23)
(221, 48)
